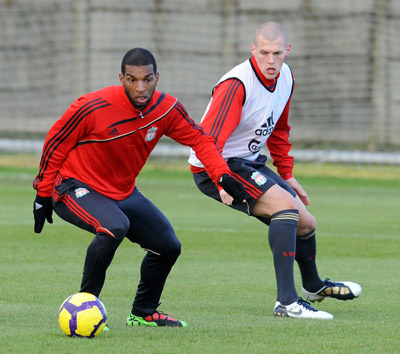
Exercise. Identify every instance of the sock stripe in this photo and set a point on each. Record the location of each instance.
(306, 236)
(286, 216)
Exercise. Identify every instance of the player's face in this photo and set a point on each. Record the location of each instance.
(139, 83)
(270, 55)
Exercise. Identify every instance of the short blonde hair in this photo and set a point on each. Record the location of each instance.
(271, 31)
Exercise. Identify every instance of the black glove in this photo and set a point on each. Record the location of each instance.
(42, 209)
(233, 187)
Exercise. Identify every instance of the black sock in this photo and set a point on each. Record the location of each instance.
(306, 249)
(282, 240)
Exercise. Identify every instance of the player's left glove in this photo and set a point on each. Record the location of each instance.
(42, 210)
(233, 187)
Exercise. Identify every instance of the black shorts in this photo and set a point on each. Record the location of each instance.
(135, 217)
(254, 175)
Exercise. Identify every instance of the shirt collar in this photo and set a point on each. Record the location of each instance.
(269, 84)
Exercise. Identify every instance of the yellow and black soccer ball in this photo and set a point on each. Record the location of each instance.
(82, 315)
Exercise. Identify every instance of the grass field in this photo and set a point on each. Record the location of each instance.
(223, 284)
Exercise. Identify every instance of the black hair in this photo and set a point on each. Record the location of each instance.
(138, 57)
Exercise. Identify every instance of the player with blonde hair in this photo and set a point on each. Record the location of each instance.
(249, 109)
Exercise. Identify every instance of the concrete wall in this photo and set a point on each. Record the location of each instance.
(345, 56)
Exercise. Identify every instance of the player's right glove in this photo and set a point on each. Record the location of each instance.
(233, 187)
(42, 210)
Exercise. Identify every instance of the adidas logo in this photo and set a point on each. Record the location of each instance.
(113, 132)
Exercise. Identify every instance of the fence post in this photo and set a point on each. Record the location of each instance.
(378, 82)
(229, 34)
(80, 47)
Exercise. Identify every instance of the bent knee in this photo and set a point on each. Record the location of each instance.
(307, 223)
(174, 250)
(289, 203)
(274, 200)
(171, 248)
(118, 231)
(286, 202)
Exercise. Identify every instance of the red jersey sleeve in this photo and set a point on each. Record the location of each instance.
(279, 145)
(185, 131)
(225, 110)
(223, 114)
(60, 140)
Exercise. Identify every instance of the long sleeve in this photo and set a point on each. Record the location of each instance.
(279, 145)
(185, 131)
(224, 113)
(60, 140)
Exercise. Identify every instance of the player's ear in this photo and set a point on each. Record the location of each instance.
(252, 48)
(121, 78)
(157, 77)
(288, 49)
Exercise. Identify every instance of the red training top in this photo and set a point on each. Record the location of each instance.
(103, 141)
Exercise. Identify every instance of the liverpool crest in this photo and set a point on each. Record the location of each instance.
(151, 134)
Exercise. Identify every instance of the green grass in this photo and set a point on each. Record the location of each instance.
(223, 284)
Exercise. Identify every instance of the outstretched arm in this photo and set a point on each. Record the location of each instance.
(184, 130)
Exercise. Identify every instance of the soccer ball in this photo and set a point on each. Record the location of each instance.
(82, 315)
